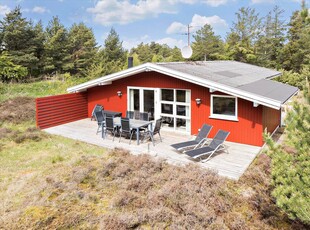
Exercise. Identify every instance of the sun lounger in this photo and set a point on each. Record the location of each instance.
(199, 141)
(215, 145)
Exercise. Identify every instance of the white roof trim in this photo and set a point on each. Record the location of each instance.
(182, 76)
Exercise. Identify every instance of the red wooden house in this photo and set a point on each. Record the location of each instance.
(237, 97)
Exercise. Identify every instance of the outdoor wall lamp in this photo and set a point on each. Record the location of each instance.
(119, 93)
(198, 101)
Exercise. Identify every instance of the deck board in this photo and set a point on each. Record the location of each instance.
(232, 164)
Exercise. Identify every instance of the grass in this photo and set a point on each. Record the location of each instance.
(51, 182)
(36, 89)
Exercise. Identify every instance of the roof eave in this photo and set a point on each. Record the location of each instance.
(104, 79)
(295, 93)
(182, 76)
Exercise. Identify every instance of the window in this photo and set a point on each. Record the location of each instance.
(175, 109)
(224, 107)
(167, 95)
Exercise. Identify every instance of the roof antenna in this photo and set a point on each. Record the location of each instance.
(187, 51)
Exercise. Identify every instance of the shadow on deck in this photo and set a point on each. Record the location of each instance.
(231, 165)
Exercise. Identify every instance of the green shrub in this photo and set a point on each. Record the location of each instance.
(291, 165)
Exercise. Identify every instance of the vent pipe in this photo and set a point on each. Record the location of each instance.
(130, 62)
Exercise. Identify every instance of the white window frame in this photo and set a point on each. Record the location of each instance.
(174, 103)
(222, 116)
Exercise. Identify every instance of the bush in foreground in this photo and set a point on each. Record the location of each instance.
(122, 191)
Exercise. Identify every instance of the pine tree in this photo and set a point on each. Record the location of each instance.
(244, 34)
(272, 40)
(9, 71)
(113, 48)
(296, 52)
(39, 40)
(207, 46)
(18, 38)
(82, 47)
(144, 52)
(291, 166)
(56, 55)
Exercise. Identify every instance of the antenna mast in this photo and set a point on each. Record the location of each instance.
(188, 33)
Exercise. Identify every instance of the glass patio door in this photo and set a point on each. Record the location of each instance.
(143, 100)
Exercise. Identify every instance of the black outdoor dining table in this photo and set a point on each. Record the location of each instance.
(111, 113)
(135, 124)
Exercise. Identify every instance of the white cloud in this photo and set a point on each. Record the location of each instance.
(108, 12)
(39, 9)
(25, 10)
(215, 21)
(171, 42)
(176, 27)
(262, 1)
(197, 22)
(4, 9)
(215, 3)
(134, 42)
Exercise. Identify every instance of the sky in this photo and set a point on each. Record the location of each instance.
(162, 21)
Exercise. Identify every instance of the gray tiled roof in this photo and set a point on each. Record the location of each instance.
(246, 77)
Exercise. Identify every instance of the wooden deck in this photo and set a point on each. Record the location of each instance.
(232, 164)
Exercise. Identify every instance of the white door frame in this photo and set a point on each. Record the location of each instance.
(141, 99)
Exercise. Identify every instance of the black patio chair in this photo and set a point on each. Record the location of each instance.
(136, 115)
(100, 121)
(125, 129)
(200, 140)
(109, 126)
(130, 114)
(156, 130)
(216, 144)
(97, 108)
(144, 116)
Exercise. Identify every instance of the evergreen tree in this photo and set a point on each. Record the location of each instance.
(39, 40)
(296, 53)
(18, 38)
(113, 48)
(155, 52)
(244, 35)
(144, 52)
(9, 71)
(56, 56)
(272, 40)
(175, 55)
(82, 45)
(291, 166)
(207, 46)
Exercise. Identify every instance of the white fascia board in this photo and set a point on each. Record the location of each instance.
(103, 80)
(182, 76)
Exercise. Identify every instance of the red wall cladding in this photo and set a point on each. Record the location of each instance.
(60, 109)
(248, 129)
(271, 119)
